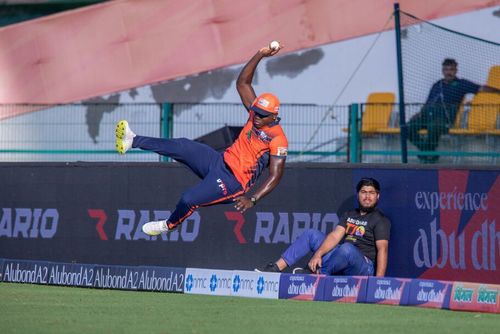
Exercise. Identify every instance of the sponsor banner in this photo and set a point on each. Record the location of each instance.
(208, 281)
(139, 278)
(70, 274)
(388, 290)
(445, 225)
(254, 284)
(103, 226)
(347, 289)
(36, 272)
(429, 293)
(96, 276)
(301, 287)
(475, 297)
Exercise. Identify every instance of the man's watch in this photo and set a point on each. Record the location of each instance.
(253, 200)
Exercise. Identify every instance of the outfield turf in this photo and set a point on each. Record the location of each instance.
(26, 308)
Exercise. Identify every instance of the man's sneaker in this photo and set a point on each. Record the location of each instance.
(155, 227)
(303, 271)
(271, 267)
(124, 137)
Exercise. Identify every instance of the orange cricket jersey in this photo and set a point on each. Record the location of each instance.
(250, 153)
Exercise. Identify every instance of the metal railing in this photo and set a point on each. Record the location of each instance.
(316, 133)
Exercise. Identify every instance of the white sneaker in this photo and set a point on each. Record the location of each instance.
(155, 227)
(124, 137)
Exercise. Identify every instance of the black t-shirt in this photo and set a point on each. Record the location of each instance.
(444, 98)
(363, 230)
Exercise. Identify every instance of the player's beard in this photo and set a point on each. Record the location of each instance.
(367, 209)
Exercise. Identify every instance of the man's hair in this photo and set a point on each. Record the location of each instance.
(368, 181)
(449, 62)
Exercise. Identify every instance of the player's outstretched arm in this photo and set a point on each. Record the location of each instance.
(276, 168)
(244, 82)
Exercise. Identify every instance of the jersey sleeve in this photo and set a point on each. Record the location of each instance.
(382, 230)
(343, 220)
(279, 146)
(470, 87)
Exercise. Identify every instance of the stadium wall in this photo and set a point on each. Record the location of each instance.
(444, 221)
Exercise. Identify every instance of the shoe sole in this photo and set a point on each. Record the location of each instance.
(120, 131)
(152, 234)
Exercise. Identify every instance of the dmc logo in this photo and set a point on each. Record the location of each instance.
(236, 283)
(260, 285)
(213, 283)
(189, 282)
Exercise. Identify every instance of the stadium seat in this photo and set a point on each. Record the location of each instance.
(377, 113)
(494, 77)
(482, 117)
(459, 118)
(456, 124)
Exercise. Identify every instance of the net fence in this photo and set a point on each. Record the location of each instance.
(444, 75)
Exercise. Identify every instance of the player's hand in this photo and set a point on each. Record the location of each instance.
(315, 264)
(242, 203)
(268, 52)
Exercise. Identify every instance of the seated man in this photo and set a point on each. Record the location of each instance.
(357, 246)
(440, 110)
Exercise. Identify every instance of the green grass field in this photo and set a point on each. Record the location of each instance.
(26, 308)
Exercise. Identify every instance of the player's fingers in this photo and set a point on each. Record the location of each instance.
(311, 266)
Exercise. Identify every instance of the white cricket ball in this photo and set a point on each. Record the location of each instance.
(274, 45)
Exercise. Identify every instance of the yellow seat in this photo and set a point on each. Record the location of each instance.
(377, 112)
(456, 124)
(389, 131)
(460, 115)
(494, 77)
(483, 114)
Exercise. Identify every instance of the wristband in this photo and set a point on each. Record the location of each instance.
(253, 200)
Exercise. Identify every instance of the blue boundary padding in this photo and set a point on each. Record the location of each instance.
(351, 289)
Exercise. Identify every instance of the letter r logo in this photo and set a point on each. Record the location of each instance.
(101, 216)
(240, 221)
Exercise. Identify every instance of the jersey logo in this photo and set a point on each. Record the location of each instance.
(261, 135)
(282, 151)
(222, 186)
(353, 229)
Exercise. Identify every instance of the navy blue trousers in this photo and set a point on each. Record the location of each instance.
(218, 184)
(345, 259)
